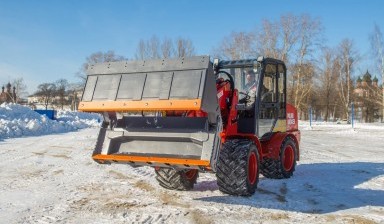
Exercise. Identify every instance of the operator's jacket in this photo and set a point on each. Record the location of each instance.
(266, 96)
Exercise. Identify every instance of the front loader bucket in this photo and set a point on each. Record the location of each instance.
(139, 99)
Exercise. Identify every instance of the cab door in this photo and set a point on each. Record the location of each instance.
(269, 99)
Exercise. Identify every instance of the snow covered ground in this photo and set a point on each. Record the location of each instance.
(21, 121)
(52, 178)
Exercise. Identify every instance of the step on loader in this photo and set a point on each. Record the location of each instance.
(189, 115)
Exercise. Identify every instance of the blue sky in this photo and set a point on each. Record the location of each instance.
(43, 41)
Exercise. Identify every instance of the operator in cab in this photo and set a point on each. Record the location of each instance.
(250, 89)
(251, 84)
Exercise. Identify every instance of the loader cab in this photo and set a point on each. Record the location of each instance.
(262, 98)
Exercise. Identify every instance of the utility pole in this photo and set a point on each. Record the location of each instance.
(353, 115)
(382, 86)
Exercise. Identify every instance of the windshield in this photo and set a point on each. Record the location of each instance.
(245, 78)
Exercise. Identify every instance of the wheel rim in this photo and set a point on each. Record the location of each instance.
(190, 174)
(289, 158)
(252, 168)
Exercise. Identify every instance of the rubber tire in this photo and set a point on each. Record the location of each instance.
(274, 168)
(176, 179)
(232, 167)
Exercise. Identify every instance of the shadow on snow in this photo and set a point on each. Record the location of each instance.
(314, 188)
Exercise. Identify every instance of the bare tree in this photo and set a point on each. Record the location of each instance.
(307, 34)
(348, 59)
(184, 48)
(329, 65)
(74, 92)
(153, 48)
(46, 91)
(291, 39)
(20, 89)
(303, 82)
(61, 89)
(279, 39)
(167, 48)
(98, 57)
(268, 39)
(141, 51)
(149, 49)
(377, 46)
(290, 35)
(300, 37)
(238, 45)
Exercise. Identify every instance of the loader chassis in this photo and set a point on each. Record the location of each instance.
(187, 115)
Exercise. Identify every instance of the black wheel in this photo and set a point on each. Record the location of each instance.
(172, 179)
(238, 167)
(284, 166)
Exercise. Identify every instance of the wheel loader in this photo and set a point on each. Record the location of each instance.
(189, 115)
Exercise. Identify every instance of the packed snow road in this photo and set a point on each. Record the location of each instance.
(52, 178)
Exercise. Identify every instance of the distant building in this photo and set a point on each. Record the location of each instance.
(368, 98)
(7, 95)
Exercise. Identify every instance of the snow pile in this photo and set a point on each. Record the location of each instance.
(18, 121)
(79, 119)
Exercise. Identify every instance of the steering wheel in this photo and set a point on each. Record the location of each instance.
(246, 97)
